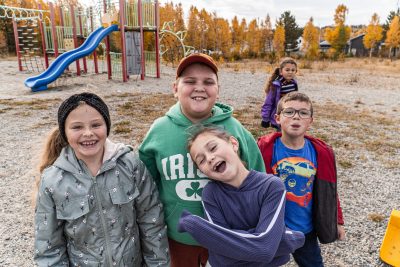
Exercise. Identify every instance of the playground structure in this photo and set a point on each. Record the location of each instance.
(44, 34)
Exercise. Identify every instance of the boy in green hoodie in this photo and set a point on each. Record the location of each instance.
(164, 151)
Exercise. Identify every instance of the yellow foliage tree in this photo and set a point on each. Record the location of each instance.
(223, 42)
(237, 37)
(339, 36)
(393, 35)
(267, 35)
(373, 34)
(279, 40)
(253, 38)
(194, 28)
(311, 40)
(169, 43)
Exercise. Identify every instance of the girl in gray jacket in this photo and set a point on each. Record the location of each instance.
(97, 205)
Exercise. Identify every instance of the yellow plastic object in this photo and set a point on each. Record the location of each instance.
(390, 248)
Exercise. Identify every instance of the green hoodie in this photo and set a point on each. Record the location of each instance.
(180, 183)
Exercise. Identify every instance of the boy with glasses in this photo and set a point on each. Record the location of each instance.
(307, 167)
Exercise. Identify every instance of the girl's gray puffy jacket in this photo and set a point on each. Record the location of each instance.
(112, 219)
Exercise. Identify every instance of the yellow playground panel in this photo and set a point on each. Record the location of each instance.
(390, 248)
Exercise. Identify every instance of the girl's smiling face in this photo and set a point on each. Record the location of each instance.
(218, 158)
(86, 132)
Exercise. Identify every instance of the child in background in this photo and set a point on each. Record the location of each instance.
(97, 205)
(244, 209)
(165, 154)
(281, 82)
(308, 169)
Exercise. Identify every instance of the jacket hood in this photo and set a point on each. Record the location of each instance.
(69, 162)
(219, 112)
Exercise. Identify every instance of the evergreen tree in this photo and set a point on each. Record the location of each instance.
(292, 30)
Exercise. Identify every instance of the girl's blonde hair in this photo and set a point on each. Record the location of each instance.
(51, 151)
(197, 129)
(287, 60)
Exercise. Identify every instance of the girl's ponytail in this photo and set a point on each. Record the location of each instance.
(268, 85)
(52, 149)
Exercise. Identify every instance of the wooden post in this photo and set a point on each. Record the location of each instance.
(96, 67)
(15, 27)
(141, 39)
(53, 29)
(81, 29)
(107, 41)
(72, 13)
(43, 34)
(123, 40)
(156, 22)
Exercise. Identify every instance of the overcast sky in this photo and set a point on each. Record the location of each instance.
(360, 11)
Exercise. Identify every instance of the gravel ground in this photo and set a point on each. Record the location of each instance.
(368, 187)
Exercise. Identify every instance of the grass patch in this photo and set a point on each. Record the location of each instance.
(122, 127)
(375, 217)
(138, 111)
(35, 104)
(346, 129)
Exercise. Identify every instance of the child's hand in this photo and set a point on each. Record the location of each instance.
(265, 124)
(341, 232)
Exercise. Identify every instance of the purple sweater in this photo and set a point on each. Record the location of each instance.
(245, 225)
(268, 109)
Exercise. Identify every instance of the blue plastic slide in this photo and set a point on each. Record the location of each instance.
(57, 67)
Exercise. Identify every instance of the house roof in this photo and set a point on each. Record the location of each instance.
(325, 42)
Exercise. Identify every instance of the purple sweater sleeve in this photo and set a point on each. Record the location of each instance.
(268, 105)
(262, 244)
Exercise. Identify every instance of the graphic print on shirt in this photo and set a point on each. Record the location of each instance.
(188, 180)
(298, 176)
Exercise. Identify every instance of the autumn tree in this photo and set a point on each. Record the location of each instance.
(393, 36)
(389, 19)
(253, 36)
(266, 36)
(173, 15)
(373, 34)
(193, 28)
(311, 40)
(279, 40)
(238, 36)
(339, 36)
(292, 30)
(223, 42)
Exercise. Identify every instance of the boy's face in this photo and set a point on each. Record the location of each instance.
(296, 126)
(216, 157)
(289, 71)
(197, 91)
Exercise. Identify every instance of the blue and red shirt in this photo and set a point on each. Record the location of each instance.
(297, 169)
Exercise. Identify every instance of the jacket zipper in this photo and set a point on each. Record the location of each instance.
(103, 222)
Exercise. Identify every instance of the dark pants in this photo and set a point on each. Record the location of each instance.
(309, 255)
(187, 256)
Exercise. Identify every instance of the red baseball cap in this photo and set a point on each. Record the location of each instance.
(196, 58)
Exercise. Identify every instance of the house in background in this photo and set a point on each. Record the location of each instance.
(324, 46)
(355, 47)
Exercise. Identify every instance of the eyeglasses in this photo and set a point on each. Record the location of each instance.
(291, 112)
